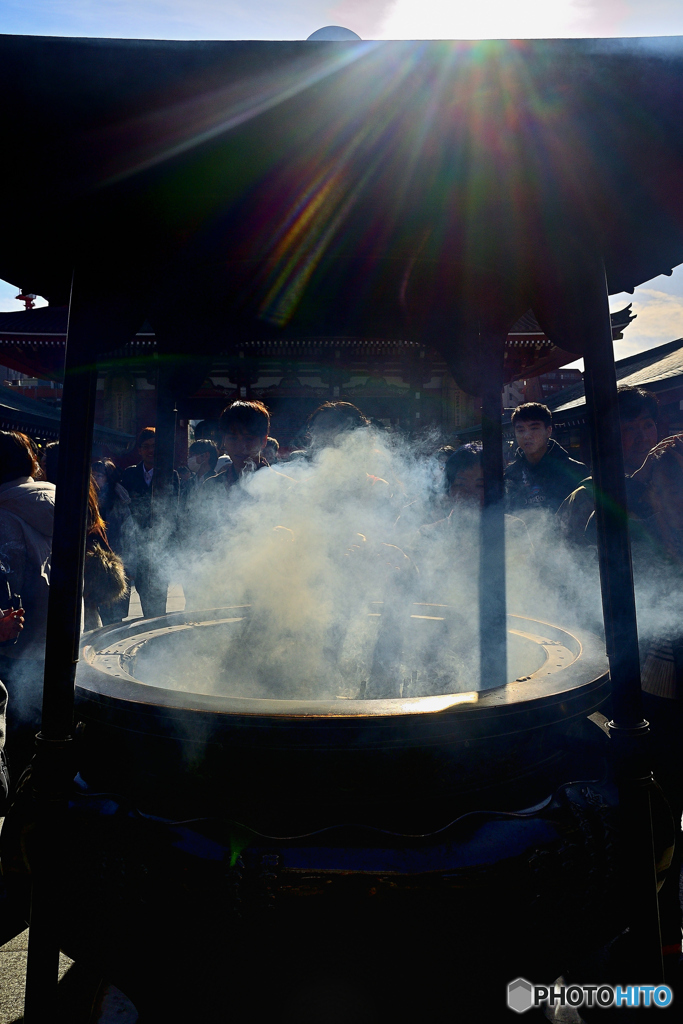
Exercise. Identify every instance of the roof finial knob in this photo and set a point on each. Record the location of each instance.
(28, 298)
(333, 33)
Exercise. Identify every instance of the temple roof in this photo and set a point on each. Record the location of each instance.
(44, 322)
(394, 189)
(657, 369)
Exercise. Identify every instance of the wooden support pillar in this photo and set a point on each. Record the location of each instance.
(492, 595)
(93, 325)
(183, 366)
(628, 729)
(164, 453)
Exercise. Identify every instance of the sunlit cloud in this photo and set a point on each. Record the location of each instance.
(365, 17)
(659, 319)
(530, 19)
(487, 19)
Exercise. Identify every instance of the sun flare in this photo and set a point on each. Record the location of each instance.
(488, 19)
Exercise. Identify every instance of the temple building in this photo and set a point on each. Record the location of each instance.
(30, 389)
(400, 384)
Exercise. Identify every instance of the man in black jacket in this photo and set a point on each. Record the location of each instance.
(542, 474)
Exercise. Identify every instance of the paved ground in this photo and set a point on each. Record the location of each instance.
(12, 972)
(83, 999)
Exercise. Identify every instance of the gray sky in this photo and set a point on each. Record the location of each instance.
(658, 303)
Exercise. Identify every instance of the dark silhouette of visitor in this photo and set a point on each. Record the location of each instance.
(333, 420)
(149, 571)
(26, 522)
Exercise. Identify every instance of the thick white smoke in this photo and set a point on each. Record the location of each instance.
(353, 593)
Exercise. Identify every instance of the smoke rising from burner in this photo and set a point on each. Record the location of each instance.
(354, 589)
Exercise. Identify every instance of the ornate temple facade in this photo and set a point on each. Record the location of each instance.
(400, 384)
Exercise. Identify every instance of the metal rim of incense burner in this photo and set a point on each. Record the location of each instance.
(572, 680)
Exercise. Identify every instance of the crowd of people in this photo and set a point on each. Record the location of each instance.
(543, 483)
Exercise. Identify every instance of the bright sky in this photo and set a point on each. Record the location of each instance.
(659, 303)
(371, 19)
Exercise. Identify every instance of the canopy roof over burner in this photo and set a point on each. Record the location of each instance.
(343, 188)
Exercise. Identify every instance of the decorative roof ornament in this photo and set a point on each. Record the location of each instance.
(621, 320)
(27, 298)
(332, 34)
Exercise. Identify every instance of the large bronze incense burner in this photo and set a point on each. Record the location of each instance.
(240, 820)
(282, 764)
